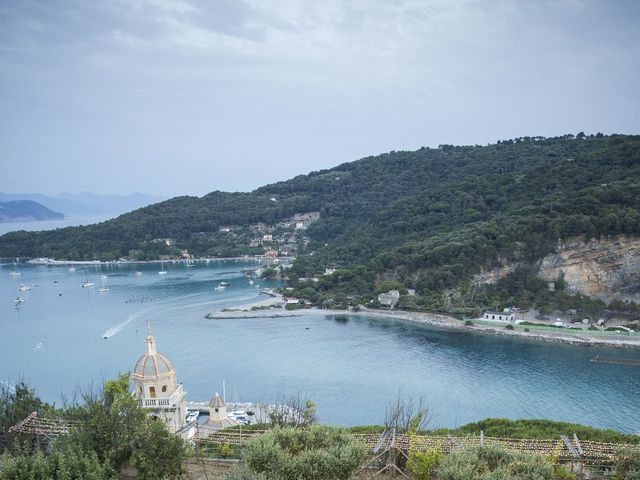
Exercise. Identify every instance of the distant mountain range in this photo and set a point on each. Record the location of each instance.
(84, 204)
(26, 211)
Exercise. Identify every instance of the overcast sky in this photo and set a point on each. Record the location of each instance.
(189, 96)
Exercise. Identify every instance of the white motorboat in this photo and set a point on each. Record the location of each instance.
(24, 288)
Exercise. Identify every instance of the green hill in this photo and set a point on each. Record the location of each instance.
(427, 219)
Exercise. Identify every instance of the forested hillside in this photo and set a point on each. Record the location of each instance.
(427, 219)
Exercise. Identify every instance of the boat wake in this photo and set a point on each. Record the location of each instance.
(118, 328)
(113, 330)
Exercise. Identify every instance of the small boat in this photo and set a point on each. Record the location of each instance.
(250, 282)
(192, 415)
(87, 285)
(137, 274)
(103, 277)
(223, 284)
(104, 288)
(15, 272)
(72, 269)
(19, 300)
(24, 288)
(163, 271)
(39, 346)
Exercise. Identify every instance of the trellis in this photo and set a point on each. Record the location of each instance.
(596, 453)
(592, 452)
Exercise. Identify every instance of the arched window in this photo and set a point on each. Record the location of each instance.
(164, 388)
(152, 392)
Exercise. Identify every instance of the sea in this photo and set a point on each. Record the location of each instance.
(67, 221)
(351, 367)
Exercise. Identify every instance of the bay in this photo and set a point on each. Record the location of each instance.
(67, 221)
(350, 366)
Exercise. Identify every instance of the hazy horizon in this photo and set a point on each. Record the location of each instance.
(184, 97)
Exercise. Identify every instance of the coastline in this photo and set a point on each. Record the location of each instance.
(430, 319)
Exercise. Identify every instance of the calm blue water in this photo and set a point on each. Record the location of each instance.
(351, 368)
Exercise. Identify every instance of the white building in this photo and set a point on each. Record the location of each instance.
(506, 316)
(157, 387)
(390, 298)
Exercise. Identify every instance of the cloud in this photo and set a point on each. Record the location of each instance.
(237, 90)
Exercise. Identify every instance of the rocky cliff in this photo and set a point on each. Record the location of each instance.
(605, 268)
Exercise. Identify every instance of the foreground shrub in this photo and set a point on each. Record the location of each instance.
(494, 463)
(316, 453)
(628, 465)
(63, 463)
(423, 464)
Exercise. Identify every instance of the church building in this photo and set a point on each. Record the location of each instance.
(157, 387)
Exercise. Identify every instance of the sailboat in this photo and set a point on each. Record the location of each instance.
(87, 283)
(15, 272)
(104, 288)
(163, 271)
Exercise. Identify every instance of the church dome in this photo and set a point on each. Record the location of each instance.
(216, 401)
(152, 364)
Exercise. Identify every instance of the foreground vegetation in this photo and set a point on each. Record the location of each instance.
(111, 433)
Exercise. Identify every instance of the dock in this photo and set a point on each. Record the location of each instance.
(260, 410)
(630, 362)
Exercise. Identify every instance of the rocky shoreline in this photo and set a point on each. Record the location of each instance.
(431, 319)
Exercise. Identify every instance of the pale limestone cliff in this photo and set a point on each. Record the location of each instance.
(605, 268)
(599, 268)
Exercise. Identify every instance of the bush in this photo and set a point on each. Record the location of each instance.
(509, 327)
(468, 323)
(494, 463)
(226, 450)
(423, 464)
(316, 453)
(628, 465)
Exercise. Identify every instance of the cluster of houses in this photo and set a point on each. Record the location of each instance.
(283, 238)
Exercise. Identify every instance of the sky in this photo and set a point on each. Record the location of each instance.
(184, 97)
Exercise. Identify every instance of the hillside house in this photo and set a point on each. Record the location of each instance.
(389, 298)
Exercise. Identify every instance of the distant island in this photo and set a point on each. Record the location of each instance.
(86, 203)
(26, 211)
